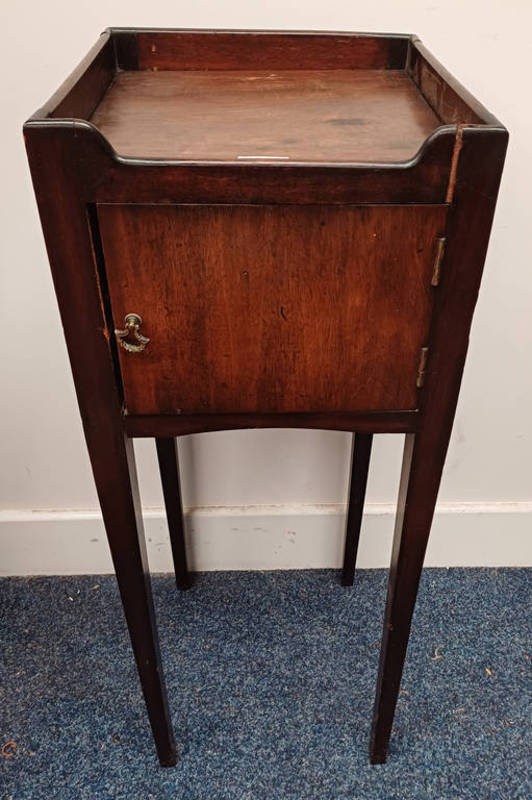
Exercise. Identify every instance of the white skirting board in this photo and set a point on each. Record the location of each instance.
(265, 538)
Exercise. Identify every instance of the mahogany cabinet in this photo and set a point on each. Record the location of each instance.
(261, 229)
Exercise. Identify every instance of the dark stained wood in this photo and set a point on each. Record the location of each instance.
(272, 309)
(79, 95)
(477, 183)
(68, 242)
(215, 50)
(103, 177)
(109, 179)
(449, 99)
(169, 469)
(298, 315)
(317, 115)
(126, 50)
(357, 492)
(166, 425)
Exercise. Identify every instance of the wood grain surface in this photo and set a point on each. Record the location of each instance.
(302, 308)
(72, 259)
(316, 115)
(272, 308)
(215, 50)
(165, 425)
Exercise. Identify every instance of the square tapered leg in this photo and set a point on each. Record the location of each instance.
(361, 453)
(169, 469)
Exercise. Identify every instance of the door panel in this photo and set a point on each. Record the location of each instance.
(272, 308)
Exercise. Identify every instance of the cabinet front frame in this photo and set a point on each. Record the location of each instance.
(336, 299)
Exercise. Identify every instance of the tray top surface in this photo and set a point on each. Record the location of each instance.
(289, 115)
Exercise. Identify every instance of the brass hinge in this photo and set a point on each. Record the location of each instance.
(422, 368)
(438, 258)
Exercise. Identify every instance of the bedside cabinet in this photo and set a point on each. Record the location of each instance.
(260, 229)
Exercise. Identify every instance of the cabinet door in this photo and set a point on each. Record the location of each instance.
(271, 308)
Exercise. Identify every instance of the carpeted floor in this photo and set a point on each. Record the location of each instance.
(270, 679)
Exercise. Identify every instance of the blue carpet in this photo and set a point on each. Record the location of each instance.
(271, 679)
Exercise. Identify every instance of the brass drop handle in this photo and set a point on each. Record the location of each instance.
(132, 323)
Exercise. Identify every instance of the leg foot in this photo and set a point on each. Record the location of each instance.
(114, 470)
(420, 477)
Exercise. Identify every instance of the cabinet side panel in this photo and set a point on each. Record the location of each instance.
(83, 90)
(445, 95)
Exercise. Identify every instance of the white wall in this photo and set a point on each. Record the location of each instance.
(487, 45)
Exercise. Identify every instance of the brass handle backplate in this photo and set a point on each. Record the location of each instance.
(132, 323)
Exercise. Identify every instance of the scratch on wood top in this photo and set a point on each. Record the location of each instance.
(454, 164)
